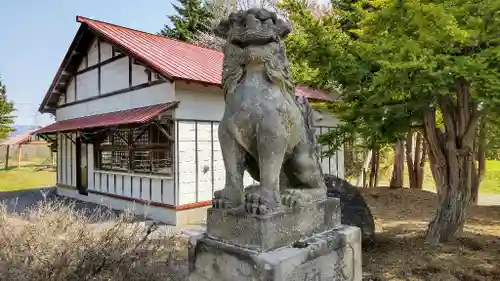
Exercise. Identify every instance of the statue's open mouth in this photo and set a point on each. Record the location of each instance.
(253, 42)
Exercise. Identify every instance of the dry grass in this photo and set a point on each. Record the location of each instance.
(54, 241)
(401, 218)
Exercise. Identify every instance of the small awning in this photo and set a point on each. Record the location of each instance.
(138, 115)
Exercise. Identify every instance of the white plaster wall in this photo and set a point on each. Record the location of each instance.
(204, 156)
(165, 215)
(83, 64)
(195, 149)
(90, 167)
(93, 54)
(114, 75)
(147, 96)
(59, 163)
(66, 157)
(187, 164)
(139, 76)
(70, 92)
(199, 103)
(87, 84)
(106, 51)
(152, 188)
(60, 101)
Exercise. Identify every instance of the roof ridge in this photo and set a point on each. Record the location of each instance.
(81, 19)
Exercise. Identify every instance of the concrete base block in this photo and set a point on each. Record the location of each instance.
(275, 230)
(333, 255)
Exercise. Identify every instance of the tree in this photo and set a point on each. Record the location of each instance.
(6, 110)
(416, 151)
(192, 17)
(402, 64)
(221, 9)
(398, 167)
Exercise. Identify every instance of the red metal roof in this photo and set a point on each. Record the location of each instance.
(137, 115)
(172, 58)
(18, 139)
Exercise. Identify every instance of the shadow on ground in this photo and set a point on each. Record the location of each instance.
(19, 202)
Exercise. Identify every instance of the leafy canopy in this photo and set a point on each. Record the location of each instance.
(192, 18)
(395, 58)
(6, 110)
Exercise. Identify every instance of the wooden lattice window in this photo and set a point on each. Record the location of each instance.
(141, 149)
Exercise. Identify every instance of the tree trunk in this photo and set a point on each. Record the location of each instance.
(421, 166)
(412, 179)
(377, 167)
(451, 155)
(398, 167)
(374, 168)
(362, 175)
(415, 159)
(481, 162)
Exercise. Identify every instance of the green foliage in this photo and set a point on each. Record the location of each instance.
(192, 18)
(492, 137)
(395, 58)
(6, 110)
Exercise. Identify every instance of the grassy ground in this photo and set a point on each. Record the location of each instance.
(490, 184)
(401, 218)
(25, 177)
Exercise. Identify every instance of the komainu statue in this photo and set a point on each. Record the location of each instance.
(264, 130)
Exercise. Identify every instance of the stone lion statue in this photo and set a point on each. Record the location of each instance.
(264, 129)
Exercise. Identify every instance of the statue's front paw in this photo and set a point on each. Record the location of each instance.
(260, 203)
(292, 198)
(221, 203)
(224, 199)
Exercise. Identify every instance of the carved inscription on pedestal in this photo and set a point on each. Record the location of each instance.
(337, 266)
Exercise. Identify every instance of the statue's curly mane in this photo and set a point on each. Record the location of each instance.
(276, 67)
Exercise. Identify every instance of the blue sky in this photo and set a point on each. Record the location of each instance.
(35, 35)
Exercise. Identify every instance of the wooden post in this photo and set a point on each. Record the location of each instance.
(7, 158)
(19, 155)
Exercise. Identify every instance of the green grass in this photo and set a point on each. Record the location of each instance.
(25, 178)
(490, 183)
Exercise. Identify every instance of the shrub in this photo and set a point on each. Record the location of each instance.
(55, 241)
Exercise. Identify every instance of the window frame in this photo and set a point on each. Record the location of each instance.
(158, 141)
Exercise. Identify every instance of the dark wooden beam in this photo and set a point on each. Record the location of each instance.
(104, 62)
(117, 92)
(164, 131)
(68, 137)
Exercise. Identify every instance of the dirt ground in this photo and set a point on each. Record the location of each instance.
(401, 218)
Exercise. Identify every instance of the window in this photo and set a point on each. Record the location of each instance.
(142, 149)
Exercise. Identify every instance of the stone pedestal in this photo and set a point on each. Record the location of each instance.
(274, 230)
(305, 244)
(333, 255)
